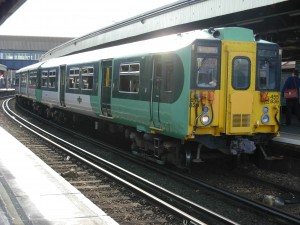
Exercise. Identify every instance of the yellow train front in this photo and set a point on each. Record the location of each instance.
(235, 93)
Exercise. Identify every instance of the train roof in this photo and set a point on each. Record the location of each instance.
(157, 45)
(3, 67)
(30, 67)
(152, 46)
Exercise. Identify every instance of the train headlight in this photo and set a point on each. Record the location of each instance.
(266, 109)
(205, 119)
(265, 119)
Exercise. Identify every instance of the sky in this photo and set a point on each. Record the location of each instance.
(72, 18)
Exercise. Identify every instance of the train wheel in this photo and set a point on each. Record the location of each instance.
(188, 158)
(186, 161)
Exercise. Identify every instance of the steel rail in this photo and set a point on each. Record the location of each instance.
(173, 196)
(247, 202)
(253, 204)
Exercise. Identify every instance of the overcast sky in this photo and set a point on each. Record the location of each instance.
(72, 18)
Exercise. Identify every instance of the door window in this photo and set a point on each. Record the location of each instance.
(241, 73)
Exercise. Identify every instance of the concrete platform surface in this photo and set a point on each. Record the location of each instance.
(32, 193)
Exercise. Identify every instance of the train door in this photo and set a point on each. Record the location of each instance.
(106, 88)
(240, 91)
(62, 88)
(156, 91)
(27, 84)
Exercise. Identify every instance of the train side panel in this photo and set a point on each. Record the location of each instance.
(148, 93)
(81, 89)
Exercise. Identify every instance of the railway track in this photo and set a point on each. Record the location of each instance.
(273, 214)
(98, 180)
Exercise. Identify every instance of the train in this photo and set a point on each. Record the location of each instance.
(170, 96)
(3, 71)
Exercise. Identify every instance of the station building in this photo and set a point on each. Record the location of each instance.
(20, 51)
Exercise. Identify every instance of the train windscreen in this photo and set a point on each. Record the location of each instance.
(268, 68)
(206, 74)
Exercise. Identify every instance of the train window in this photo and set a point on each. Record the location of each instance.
(17, 81)
(267, 53)
(241, 73)
(135, 67)
(266, 71)
(207, 72)
(44, 78)
(169, 76)
(124, 68)
(52, 79)
(87, 74)
(32, 79)
(73, 80)
(129, 78)
(24, 80)
(107, 75)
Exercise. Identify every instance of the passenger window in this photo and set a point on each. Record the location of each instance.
(24, 80)
(87, 74)
(241, 73)
(44, 78)
(32, 79)
(129, 78)
(17, 81)
(73, 80)
(52, 79)
(169, 75)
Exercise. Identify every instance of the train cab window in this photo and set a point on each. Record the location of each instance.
(207, 72)
(129, 77)
(44, 78)
(266, 70)
(73, 80)
(87, 74)
(207, 66)
(52, 79)
(241, 73)
(32, 79)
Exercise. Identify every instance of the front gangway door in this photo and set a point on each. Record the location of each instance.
(240, 92)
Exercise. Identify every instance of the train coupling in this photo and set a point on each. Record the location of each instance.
(242, 145)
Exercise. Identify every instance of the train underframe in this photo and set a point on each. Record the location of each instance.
(155, 147)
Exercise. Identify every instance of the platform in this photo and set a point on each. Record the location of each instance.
(32, 193)
(289, 134)
(6, 91)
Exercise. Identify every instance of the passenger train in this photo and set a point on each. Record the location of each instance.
(170, 96)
